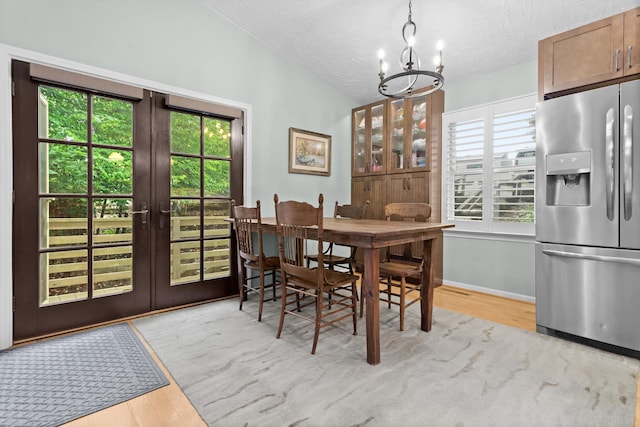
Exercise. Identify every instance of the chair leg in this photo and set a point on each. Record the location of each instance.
(241, 284)
(273, 283)
(261, 303)
(389, 291)
(282, 308)
(403, 285)
(319, 304)
(361, 296)
(354, 302)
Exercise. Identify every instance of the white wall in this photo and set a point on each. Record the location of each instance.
(503, 265)
(184, 47)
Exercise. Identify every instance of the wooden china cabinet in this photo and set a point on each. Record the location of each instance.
(397, 155)
(396, 152)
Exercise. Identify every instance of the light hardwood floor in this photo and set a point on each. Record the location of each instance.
(168, 406)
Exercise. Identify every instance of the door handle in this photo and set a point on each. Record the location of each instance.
(163, 214)
(603, 258)
(610, 163)
(144, 216)
(629, 57)
(627, 161)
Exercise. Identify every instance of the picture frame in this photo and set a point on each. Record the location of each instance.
(309, 152)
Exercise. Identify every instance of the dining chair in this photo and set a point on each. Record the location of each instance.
(401, 262)
(248, 228)
(299, 229)
(329, 258)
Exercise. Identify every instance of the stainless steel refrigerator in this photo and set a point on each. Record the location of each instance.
(587, 253)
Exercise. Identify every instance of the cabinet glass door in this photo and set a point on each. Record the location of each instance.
(359, 142)
(396, 135)
(369, 140)
(418, 155)
(408, 134)
(377, 139)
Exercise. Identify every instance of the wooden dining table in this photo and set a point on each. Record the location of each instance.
(372, 235)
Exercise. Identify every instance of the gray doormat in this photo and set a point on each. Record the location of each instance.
(52, 382)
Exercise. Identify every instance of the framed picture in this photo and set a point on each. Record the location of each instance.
(309, 152)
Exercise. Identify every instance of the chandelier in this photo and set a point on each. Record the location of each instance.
(402, 84)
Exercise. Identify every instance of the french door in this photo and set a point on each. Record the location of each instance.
(120, 200)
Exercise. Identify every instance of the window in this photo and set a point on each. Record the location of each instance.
(489, 161)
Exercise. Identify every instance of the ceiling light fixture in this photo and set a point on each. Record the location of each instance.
(394, 85)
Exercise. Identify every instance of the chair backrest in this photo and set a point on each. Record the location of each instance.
(246, 221)
(351, 211)
(299, 227)
(413, 212)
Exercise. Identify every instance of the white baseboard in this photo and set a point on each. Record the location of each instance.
(491, 291)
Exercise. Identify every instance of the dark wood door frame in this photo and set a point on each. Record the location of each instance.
(151, 289)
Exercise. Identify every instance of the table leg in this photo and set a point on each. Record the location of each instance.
(371, 293)
(428, 283)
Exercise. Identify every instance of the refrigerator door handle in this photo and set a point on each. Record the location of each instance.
(552, 252)
(610, 163)
(627, 161)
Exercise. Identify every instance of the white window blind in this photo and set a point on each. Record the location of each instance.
(465, 163)
(489, 160)
(514, 151)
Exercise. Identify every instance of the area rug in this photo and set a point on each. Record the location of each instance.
(465, 372)
(52, 382)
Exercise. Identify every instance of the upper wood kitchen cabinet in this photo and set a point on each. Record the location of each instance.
(632, 41)
(590, 55)
(368, 124)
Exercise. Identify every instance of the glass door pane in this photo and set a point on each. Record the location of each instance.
(377, 138)
(418, 124)
(85, 183)
(359, 142)
(396, 134)
(200, 163)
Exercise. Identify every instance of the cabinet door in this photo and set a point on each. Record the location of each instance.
(368, 140)
(369, 188)
(632, 42)
(396, 149)
(583, 56)
(418, 127)
(409, 128)
(359, 141)
(376, 149)
(408, 188)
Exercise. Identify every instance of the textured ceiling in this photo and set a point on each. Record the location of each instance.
(338, 40)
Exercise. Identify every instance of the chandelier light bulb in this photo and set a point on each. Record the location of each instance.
(411, 42)
(381, 54)
(436, 60)
(440, 45)
(385, 67)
